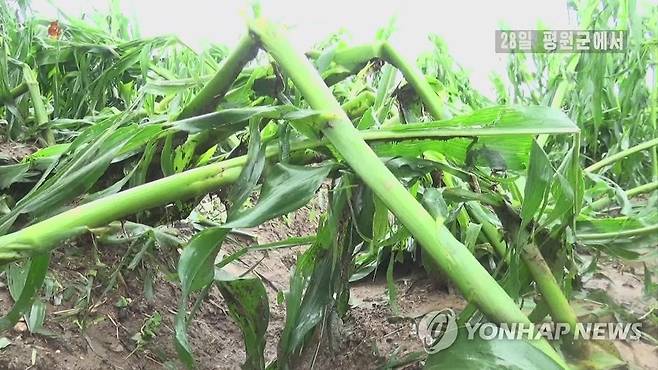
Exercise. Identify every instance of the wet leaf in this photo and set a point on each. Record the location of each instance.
(287, 187)
(247, 302)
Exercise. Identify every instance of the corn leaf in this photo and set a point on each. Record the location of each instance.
(247, 302)
(490, 354)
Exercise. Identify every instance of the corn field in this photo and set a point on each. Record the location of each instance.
(129, 165)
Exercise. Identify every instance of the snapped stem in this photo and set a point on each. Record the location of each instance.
(416, 79)
(453, 257)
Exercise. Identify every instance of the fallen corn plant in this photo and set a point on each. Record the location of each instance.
(370, 138)
(484, 295)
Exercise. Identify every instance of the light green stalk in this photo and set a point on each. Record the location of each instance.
(603, 202)
(654, 112)
(46, 234)
(15, 92)
(453, 257)
(416, 79)
(40, 114)
(206, 100)
(552, 295)
(355, 57)
(621, 155)
(18, 90)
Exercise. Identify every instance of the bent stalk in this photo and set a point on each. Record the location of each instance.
(45, 235)
(355, 57)
(416, 79)
(453, 257)
(18, 90)
(15, 92)
(621, 155)
(207, 99)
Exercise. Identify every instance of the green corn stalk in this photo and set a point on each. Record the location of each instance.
(654, 112)
(208, 98)
(40, 114)
(44, 235)
(355, 57)
(531, 256)
(18, 90)
(621, 155)
(416, 79)
(604, 202)
(454, 258)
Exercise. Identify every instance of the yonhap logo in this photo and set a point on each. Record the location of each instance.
(438, 330)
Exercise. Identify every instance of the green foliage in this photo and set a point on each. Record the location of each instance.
(126, 124)
(490, 354)
(148, 331)
(286, 188)
(195, 271)
(25, 289)
(611, 96)
(247, 303)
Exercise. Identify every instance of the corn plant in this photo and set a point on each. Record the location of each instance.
(612, 97)
(147, 123)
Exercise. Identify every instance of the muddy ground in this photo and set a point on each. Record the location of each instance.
(86, 328)
(370, 333)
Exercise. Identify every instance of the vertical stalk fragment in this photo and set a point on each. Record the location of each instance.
(416, 79)
(40, 114)
(207, 99)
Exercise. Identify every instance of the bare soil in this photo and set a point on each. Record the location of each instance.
(100, 337)
(623, 284)
(13, 151)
